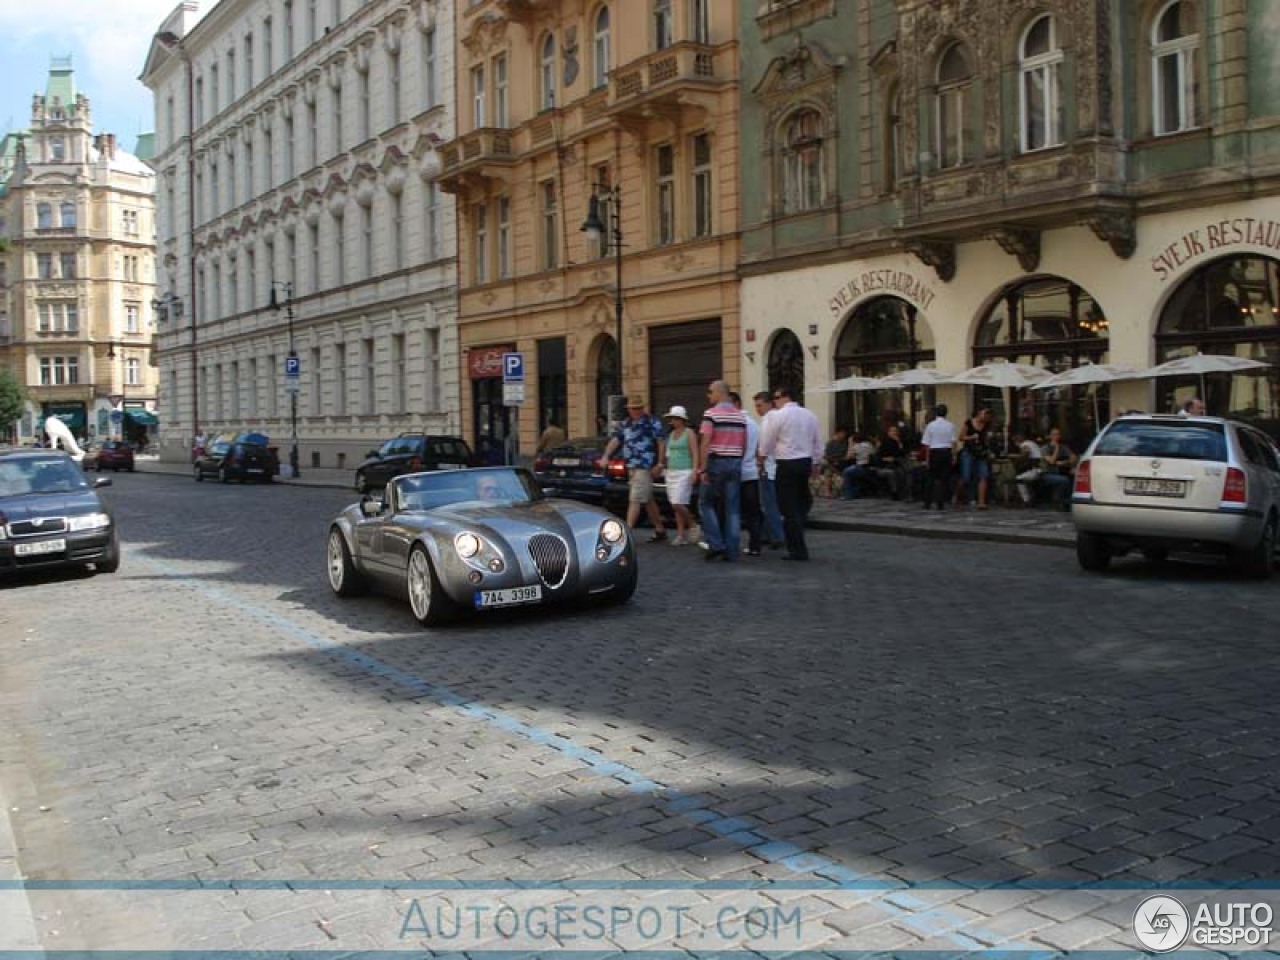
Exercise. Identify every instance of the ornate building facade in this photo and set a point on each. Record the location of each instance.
(627, 110)
(77, 271)
(1047, 181)
(295, 157)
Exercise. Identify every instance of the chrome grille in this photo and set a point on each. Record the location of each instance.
(551, 556)
(37, 527)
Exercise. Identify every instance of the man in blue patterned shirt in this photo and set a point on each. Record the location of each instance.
(641, 440)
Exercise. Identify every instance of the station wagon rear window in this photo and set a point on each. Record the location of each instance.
(1164, 439)
(451, 450)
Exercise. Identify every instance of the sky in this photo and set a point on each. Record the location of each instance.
(108, 42)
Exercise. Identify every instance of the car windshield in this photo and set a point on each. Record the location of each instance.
(498, 485)
(220, 448)
(1166, 439)
(23, 475)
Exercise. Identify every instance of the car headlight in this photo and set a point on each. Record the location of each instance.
(90, 521)
(467, 545)
(611, 531)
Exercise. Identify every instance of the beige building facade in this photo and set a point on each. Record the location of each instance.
(77, 277)
(295, 157)
(634, 105)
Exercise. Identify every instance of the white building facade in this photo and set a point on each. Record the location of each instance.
(308, 175)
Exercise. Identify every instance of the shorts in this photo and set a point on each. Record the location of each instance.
(680, 487)
(640, 485)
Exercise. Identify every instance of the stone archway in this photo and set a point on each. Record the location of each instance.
(880, 336)
(786, 363)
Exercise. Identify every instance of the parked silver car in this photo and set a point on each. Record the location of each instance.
(1159, 483)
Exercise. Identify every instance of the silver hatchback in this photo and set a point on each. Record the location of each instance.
(1160, 483)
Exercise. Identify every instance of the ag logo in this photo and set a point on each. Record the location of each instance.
(1161, 924)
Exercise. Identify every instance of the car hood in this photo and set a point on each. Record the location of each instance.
(514, 520)
(31, 505)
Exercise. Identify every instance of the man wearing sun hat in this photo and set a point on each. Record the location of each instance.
(641, 441)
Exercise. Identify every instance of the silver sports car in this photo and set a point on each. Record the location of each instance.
(485, 538)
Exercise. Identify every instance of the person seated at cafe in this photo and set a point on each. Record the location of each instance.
(858, 472)
(1030, 467)
(890, 462)
(1058, 461)
(836, 453)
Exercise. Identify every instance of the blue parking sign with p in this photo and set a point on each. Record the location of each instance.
(292, 366)
(513, 368)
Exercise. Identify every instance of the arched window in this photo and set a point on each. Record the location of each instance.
(67, 214)
(881, 336)
(1230, 306)
(786, 364)
(547, 73)
(1040, 60)
(1175, 74)
(803, 186)
(1052, 323)
(608, 381)
(44, 216)
(600, 49)
(955, 85)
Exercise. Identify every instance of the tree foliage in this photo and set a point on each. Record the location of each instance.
(12, 398)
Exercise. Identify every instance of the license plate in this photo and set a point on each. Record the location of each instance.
(36, 549)
(1152, 487)
(255, 469)
(451, 466)
(508, 597)
(564, 462)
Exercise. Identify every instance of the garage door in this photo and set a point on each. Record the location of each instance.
(683, 359)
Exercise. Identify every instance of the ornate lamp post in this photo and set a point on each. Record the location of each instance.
(291, 380)
(609, 233)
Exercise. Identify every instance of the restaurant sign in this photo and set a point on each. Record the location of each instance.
(892, 282)
(1218, 235)
(485, 362)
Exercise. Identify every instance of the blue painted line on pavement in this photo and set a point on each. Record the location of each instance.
(801, 862)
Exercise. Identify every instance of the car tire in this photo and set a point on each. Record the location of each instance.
(1156, 554)
(199, 475)
(427, 598)
(1259, 562)
(624, 591)
(110, 563)
(344, 579)
(1092, 552)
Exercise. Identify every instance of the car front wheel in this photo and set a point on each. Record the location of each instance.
(1092, 552)
(110, 561)
(1260, 561)
(426, 596)
(345, 580)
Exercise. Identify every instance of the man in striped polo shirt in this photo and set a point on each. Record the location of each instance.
(724, 438)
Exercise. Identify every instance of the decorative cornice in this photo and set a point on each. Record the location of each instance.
(1022, 243)
(939, 254)
(1116, 228)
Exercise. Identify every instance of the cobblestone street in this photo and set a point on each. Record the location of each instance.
(948, 713)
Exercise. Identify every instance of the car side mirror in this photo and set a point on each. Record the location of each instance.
(371, 507)
(373, 455)
(102, 482)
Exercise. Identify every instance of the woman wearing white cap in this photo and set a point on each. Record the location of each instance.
(682, 454)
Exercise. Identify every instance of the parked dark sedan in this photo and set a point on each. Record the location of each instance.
(115, 455)
(51, 516)
(237, 460)
(572, 470)
(411, 453)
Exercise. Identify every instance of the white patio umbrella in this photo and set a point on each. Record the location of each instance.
(849, 383)
(919, 377)
(1088, 373)
(1005, 376)
(1197, 365)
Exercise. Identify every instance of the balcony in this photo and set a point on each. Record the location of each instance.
(483, 154)
(664, 82)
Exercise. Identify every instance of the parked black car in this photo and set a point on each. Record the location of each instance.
(240, 460)
(571, 470)
(51, 516)
(411, 453)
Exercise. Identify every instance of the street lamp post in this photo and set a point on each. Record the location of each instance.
(595, 228)
(292, 384)
(123, 395)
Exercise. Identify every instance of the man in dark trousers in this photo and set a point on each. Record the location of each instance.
(940, 438)
(790, 435)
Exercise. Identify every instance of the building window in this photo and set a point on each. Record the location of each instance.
(213, 188)
(700, 14)
(44, 216)
(367, 377)
(337, 119)
(313, 388)
(1175, 74)
(58, 149)
(67, 266)
(340, 378)
(233, 285)
(477, 97)
(399, 402)
(313, 245)
(605, 205)
(500, 90)
(67, 217)
(216, 289)
(432, 239)
(59, 371)
(249, 168)
(251, 260)
(955, 82)
(248, 61)
(504, 237)
(600, 49)
(340, 250)
(547, 73)
(393, 87)
(288, 148)
(1041, 96)
(362, 93)
(702, 196)
(429, 67)
(550, 226)
(312, 21)
(44, 266)
(313, 135)
(366, 241)
(268, 146)
(291, 257)
(665, 168)
(553, 390)
(662, 35)
(199, 98)
(268, 60)
(132, 313)
(397, 230)
(288, 29)
(231, 77)
(893, 138)
(480, 271)
(803, 180)
(133, 372)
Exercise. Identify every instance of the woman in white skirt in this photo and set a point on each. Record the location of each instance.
(682, 454)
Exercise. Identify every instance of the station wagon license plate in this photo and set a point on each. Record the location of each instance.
(564, 462)
(1154, 487)
(37, 549)
(509, 597)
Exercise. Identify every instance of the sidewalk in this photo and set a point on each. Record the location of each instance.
(1000, 524)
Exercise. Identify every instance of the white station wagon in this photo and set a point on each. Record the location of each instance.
(1160, 483)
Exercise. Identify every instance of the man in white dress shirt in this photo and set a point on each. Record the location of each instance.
(791, 435)
(940, 438)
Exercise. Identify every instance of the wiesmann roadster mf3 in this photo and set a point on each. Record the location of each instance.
(481, 539)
